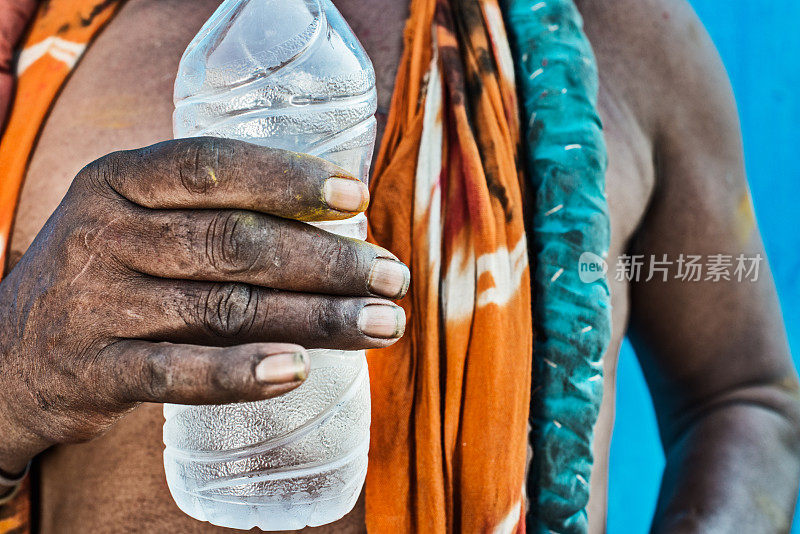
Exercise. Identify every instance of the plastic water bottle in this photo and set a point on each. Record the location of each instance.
(287, 74)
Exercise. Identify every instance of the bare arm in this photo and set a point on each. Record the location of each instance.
(714, 353)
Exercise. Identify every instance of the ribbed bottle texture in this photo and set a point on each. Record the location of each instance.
(287, 74)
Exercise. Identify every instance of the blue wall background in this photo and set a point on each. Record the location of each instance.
(760, 45)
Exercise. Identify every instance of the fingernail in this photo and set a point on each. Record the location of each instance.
(282, 368)
(345, 194)
(380, 320)
(389, 278)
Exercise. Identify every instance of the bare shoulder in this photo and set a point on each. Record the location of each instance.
(657, 56)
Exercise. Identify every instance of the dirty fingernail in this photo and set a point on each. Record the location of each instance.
(345, 194)
(380, 320)
(389, 278)
(283, 368)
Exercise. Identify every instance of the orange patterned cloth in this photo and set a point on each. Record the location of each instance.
(450, 400)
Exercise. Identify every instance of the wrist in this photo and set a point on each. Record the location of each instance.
(12, 468)
(16, 451)
(14, 464)
(9, 481)
(11, 485)
(17, 444)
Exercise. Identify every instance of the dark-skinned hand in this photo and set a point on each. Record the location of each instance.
(184, 272)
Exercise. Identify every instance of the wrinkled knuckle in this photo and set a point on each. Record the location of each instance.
(326, 319)
(153, 379)
(226, 380)
(344, 259)
(104, 175)
(200, 160)
(229, 310)
(231, 243)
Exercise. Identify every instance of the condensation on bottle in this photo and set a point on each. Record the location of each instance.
(287, 74)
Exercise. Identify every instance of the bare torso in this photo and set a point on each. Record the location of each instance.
(119, 97)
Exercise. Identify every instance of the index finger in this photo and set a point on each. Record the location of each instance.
(214, 173)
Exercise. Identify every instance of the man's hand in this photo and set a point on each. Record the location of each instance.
(175, 273)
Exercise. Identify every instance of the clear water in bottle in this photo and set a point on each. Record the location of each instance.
(287, 74)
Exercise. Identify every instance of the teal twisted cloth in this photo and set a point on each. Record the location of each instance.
(558, 84)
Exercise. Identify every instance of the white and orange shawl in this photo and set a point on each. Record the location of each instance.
(451, 398)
